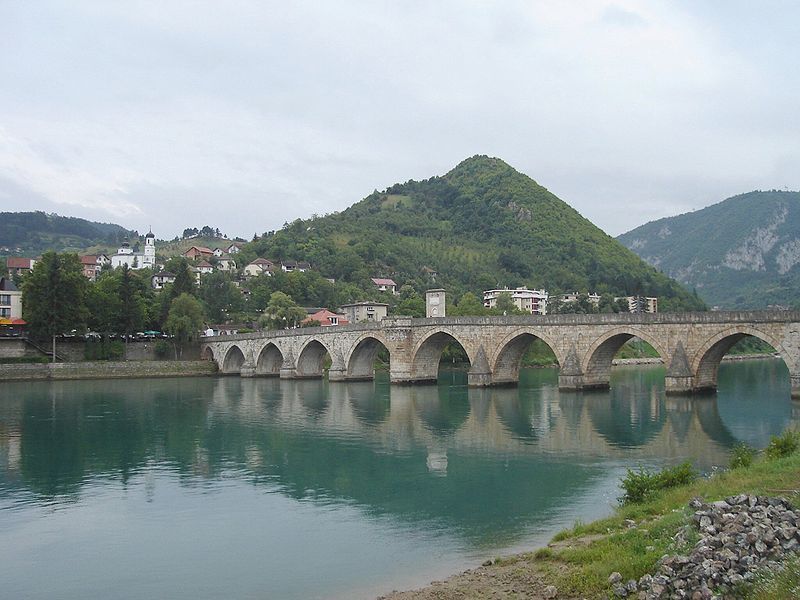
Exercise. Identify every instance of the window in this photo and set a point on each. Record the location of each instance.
(5, 312)
(5, 299)
(334, 320)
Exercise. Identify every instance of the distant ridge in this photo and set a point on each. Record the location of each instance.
(743, 252)
(36, 232)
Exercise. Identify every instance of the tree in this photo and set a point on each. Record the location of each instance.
(184, 321)
(220, 296)
(505, 305)
(184, 280)
(469, 306)
(131, 304)
(282, 312)
(53, 296)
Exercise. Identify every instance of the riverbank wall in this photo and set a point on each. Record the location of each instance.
(106, 370)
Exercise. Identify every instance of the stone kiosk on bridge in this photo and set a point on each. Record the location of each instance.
(691, 345)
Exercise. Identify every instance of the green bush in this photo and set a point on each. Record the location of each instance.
(742, 455)
(162, 348)
(783, 445)
(104, 349)
(15, 360)
(643, 485)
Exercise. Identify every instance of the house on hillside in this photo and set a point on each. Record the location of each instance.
(570, 297)
(385, 285)
(292, 265)
(226, 263)
(159, 280)
(528, 301)
(260, 266)
(10, 301)
(18, 265)
(326, 318)
(365, 311)
(198, 252)
(218, 252)
(90, 267)
(200, 269)
(234, 247)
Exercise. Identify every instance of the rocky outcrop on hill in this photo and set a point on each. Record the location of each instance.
(738, 536)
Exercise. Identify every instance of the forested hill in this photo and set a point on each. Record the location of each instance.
(480, 226)
(743, 252)
(36, 232)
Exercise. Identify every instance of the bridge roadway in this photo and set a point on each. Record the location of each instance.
(691, 344)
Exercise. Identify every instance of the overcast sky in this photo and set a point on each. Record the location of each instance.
(244, 115)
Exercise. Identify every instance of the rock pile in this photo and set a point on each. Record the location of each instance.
(738, 536)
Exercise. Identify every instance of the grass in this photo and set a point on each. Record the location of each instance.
(582, 568)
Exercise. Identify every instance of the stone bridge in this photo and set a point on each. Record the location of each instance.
(691, 345)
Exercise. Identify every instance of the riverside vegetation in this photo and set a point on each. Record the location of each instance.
(741, 521)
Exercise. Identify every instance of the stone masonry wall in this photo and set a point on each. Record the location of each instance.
(106, 370)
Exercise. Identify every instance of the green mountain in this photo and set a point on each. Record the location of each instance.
(31, 233)
(480, 226)
(741, 253)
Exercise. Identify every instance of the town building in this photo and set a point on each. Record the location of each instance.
(365, 311)
(234, 247)
(217, 252)
(136, 260)
(260, 266)
(159, 280)
(385, 285)
(569, 297)
(326, 318)
(640, 304)
(198, 252)
(528, 301)
(200, 269)
(10, 301)
(18, 265)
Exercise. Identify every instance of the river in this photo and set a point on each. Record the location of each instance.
(260, 488)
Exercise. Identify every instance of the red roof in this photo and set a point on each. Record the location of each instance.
(89, 260)
(380, 281)
(18, 322)
(204, 263)
(323, 317)
(15, 262)
(262, 261)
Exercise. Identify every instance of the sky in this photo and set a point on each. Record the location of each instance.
(244, 115)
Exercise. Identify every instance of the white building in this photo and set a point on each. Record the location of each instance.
(593, 297)
(10, 300)
(365, 311)
(640, 304)
(136, 260)
(529, 301)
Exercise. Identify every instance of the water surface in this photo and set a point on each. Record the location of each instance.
(260, 488)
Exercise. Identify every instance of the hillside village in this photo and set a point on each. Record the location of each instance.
(219, 265)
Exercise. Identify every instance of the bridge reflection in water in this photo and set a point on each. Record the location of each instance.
(272, 479)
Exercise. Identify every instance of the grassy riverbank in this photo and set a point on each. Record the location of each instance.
(578, 561)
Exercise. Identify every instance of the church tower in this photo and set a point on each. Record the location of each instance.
(149, 258)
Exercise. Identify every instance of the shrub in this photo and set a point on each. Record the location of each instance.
(161, 348)
(742, 455)
(643, 485)
(783, 445)
(104, 349)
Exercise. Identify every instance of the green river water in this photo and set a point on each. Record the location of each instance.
(260, 488)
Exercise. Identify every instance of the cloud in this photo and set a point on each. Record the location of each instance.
(256, 113)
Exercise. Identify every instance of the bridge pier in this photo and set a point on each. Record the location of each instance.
(795, 379)
(247, 369)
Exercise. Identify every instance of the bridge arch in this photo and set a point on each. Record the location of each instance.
(597, 361)
(706, 361)
(311, 359)
(361, 360)
(428, 351)
(269, 361)
(506, 361)
(234, 359)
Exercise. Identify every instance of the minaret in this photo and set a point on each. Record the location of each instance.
(149, 258)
